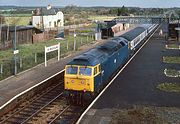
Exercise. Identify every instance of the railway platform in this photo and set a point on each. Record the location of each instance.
(136, 84)
(15, 85)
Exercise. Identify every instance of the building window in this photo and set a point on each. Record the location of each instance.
(59, 22)
(55, 24)
(49, 24)
(38, 25)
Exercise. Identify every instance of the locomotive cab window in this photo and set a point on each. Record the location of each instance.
(95, 70)
(99, 68)
(86, 71)
(123, 44)
(71, 70)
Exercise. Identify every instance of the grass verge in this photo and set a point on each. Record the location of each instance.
(101, 18)
(172, 73)
(168, 59)
(146, 115)
(172, 46)
(26, 50)
(169, 87)
(17, 20)
(31, 55)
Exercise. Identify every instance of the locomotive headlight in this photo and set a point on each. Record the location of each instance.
(88, 83)
(82, 82)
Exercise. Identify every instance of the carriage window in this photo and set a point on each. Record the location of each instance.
(85, 71)
(95, 70)
(71, 70)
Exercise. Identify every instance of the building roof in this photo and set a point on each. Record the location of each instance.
(18, 28)
(45, 11)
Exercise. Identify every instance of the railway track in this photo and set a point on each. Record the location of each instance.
(48, 107)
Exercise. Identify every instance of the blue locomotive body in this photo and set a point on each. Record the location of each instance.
(99, 63)
(116, 53)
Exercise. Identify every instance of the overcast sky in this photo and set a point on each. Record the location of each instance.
(137, 3)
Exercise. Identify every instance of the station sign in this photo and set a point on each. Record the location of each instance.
(15, 52)
(74, 35)
(52, 48)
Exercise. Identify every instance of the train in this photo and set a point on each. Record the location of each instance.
(88, 73)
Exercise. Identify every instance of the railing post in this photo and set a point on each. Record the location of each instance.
(1, 70)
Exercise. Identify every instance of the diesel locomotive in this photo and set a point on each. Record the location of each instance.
(86, 74)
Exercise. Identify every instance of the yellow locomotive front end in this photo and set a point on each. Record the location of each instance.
(79, 78)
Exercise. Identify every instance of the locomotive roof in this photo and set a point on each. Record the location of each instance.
(130, 35)
(89, 58)
(120, 40)
(96, 55)
(110, 46)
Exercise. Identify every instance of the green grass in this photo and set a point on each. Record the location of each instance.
(27, 52)
(101, 18)
(17, 15)
(172, 73)
(83, 31)
(174, 59)
(173, 46)
(23, 20)
(139, 114)
(169, 87)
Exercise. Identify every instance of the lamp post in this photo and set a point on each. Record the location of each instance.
(74, 41)
(97, 31)
(15, 51)
(74, 33)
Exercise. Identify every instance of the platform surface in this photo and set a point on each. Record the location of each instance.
(137, 83)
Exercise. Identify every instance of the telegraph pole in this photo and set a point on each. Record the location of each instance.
(74, 36)
(15, 51)
(1, 18)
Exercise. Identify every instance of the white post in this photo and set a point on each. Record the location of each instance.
(81, 41)
(35, 56)
(59, 51)
(45, 57)
(1, 71)
(20, 62)
(74, 42)
(67, 45)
